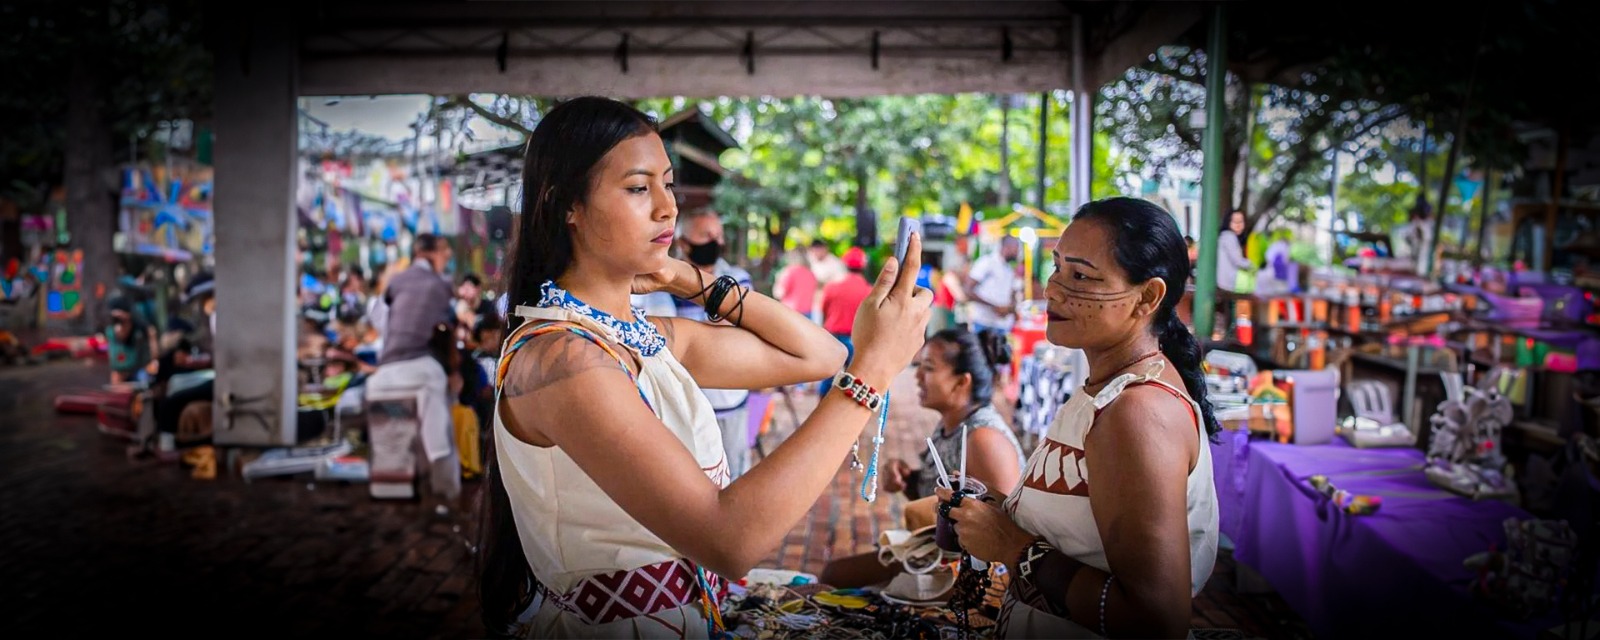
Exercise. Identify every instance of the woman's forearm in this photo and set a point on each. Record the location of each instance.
(1067, 588)
(776, 324)
(764, 503)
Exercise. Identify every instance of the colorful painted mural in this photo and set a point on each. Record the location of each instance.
(65, 299)
(377, 199)
(166, 210)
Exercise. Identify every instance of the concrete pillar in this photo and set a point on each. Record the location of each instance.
(1081, 166)
(256, 121)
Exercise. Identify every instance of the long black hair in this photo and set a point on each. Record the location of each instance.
(561, 158)
(977, 354)
(1149, 245)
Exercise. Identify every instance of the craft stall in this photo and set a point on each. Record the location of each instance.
(1433, 466)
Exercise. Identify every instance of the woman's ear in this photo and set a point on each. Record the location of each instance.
(1150, 296)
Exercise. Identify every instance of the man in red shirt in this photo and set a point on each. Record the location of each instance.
(841, 300)
(797, 285)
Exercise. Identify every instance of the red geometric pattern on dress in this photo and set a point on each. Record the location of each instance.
(608, 597)
(1057, 468)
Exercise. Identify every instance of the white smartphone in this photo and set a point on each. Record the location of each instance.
(908, 226)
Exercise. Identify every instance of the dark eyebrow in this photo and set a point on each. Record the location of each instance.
(1081, 261)
(641, 171)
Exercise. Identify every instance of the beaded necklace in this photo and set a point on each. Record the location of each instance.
(869, 484)
(639, 334)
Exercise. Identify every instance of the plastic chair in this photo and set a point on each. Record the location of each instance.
(761, 416)
(759, 407)
(325, 398)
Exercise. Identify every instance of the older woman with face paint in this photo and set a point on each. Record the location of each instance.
(1114, 528)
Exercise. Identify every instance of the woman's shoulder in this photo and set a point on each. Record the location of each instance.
(1156, 400)
(987, 416)
(554, 351)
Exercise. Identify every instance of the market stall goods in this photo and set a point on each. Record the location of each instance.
(1465, 455)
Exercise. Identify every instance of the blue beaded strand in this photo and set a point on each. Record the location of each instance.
(869, 484)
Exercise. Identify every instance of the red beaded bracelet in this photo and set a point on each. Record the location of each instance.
(858, 390)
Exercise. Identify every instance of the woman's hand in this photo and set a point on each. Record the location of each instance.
(894, 478)
(678, 278)
(987, 531)
(892, 321)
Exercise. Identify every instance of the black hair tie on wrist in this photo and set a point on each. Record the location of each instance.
(719, 293)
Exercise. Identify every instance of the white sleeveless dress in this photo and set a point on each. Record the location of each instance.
(1052, 501)
(571, 530)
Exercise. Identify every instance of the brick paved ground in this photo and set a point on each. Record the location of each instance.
(97, 545)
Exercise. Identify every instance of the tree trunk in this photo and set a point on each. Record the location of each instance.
(1230, 167)
(91, 213)
(1484, 217)
(1005, 151)
(1236, 136)
(1431, 265)
(1248, 145)
(777, 228)
(866, 220)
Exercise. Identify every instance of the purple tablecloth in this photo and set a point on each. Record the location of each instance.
(1398, 570)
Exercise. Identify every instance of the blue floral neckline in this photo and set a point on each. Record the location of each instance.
(639, 335)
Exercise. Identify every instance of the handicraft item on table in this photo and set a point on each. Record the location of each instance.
(1464, 454)
(1356, 505)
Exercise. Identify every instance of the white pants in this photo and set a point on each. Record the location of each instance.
(426, 378)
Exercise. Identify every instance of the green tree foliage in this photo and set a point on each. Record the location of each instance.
(805, 160)
(147, 57)
(1292, 126)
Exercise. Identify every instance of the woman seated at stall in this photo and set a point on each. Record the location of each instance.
(131, 343)
(1114, 528)
(955, 376)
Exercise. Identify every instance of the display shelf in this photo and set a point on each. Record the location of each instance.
(1263, 361)
(1398, 364)
(1313, 326)
(1562, 333)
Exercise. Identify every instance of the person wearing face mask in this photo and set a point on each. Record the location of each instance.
(700, 237)
(419, 299)
(1113, 529)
